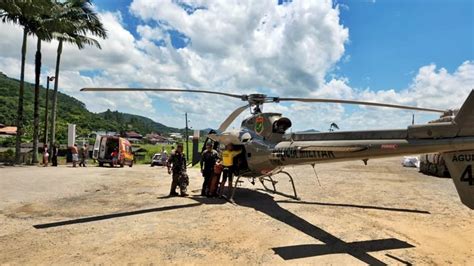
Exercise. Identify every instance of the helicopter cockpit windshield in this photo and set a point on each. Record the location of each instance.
(281, 125)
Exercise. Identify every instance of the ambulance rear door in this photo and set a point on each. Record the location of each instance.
(102, 147)
(95, 151)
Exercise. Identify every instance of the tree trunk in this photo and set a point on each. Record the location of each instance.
(34, 160)
(19, 117)
(55, 95)
(46, 110)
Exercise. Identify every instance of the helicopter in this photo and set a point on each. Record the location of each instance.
(267, 148)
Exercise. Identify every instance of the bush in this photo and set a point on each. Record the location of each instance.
(7, 142)
(8, 156)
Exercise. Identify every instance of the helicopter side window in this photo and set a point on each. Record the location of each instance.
(281, 125)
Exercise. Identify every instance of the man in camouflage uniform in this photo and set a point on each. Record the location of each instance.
(177, 167)
(208, 160)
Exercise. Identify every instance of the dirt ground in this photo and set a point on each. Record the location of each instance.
(375, 214)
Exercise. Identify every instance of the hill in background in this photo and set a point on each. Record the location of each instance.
(70, 110)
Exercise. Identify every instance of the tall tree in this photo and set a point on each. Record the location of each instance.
(77, 20)
(21, 12)
(42, 32)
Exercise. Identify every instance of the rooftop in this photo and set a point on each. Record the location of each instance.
(7, 130)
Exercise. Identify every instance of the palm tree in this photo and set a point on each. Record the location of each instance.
(42, 32)
(76, 20)
(333, 126)
(21, 12)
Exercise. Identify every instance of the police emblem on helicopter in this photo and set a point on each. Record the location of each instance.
(259, 124)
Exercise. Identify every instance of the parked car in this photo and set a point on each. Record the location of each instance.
(156, 160)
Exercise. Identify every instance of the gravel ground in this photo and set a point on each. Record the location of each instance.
(380, 213)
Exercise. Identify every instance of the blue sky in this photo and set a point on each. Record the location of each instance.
(414, 52)
(390, 40)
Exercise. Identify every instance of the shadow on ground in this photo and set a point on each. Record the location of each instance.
(266, 204)
(355, 206)
(113, 215)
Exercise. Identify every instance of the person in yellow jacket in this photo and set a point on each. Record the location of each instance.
(227, 161)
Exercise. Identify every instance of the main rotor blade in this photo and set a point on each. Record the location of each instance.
(318, 100)
(242, 97)
(232, 117)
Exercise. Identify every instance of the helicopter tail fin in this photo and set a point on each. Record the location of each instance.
(464, 120)
(460, 165)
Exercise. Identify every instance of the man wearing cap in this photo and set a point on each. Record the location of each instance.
(208, 160)
(177, 167)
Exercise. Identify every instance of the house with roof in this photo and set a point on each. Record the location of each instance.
(155, 138)
(7, 131)
(132, 136)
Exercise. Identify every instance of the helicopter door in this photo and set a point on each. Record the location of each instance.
(240, 160)
(197, 153)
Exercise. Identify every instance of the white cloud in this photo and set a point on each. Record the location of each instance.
(431, 87)
(233, 44)
(119, 63)
(150, 33)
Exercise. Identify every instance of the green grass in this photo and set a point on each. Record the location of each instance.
(152, 149)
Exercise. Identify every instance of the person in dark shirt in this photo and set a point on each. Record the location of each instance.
(177, 167)
(54, 155)
(83, 154)
(208, 160)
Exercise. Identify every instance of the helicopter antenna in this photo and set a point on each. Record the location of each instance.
(315, 173)
(294, 171)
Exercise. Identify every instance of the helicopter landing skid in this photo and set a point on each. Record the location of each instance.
(262, 180)
(270, 179)
(273, 182)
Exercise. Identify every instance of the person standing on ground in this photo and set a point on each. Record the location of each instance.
(172, 150)
(177, 167)
(208, 160)
(164, 158)
(228, 163)
(75, 155)
(84, 155)
(114, 156)
(54, 155)
(45, 155)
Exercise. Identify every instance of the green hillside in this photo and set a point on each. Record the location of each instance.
(137, 123)
(70, 110)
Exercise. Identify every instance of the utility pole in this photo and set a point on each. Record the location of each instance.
(45, 133)
(187, 137)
